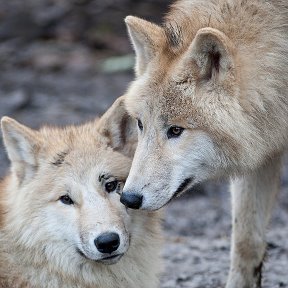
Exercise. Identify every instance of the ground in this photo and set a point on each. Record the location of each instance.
(47, 80)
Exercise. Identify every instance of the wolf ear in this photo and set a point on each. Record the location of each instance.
(213, 54)
(145, 37)
(117, 126)
(22, 145)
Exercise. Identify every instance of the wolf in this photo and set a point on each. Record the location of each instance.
(62, 224)
(210, 97)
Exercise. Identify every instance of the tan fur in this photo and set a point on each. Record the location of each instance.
(257, 95)
(39, 235)
(218, 69)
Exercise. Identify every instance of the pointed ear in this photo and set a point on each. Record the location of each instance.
(117, 126)
(213, 55)
(22, 145)
(146, 38)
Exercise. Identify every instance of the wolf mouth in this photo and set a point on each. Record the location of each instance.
(180, 190)
(104, 259)
(112, 257)
(182, 187)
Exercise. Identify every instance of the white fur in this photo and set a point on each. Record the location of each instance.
(219, 71)
(40, 235)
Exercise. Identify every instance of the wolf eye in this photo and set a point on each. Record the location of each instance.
(65, 199)
(111, 186)
(140, 125)
(174, 131)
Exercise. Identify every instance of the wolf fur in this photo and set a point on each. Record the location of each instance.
(45, 243)
(218, 70)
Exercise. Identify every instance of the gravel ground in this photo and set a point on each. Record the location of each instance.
(53, 72)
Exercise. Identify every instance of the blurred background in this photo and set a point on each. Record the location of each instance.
(65, 62)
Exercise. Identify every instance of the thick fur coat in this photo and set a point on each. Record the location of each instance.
(210, 98)
(48, 241)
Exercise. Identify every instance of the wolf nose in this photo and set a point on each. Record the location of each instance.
(107, 242)
(131, 200)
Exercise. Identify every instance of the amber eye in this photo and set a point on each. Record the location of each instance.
(174, 131)
(140, 125)
(111, 186)
(65, 199)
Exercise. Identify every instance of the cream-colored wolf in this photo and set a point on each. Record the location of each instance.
(211, 100)
(61, 219)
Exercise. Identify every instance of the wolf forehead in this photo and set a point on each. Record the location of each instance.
(166, 96)
(63, 141)
(78, 146)
(60, 158)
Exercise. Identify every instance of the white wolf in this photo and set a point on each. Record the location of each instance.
(211, 100)
(62, 223)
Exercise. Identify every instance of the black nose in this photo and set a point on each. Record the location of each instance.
(131, 200)
(107, 242)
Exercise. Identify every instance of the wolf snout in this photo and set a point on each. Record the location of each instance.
(131, 200)
(107, 242)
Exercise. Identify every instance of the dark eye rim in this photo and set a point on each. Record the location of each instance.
(140, 124)
(114, 187)
(176, 133)
(66, 199)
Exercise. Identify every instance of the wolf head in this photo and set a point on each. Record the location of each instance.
(63, 195)
(193, 122)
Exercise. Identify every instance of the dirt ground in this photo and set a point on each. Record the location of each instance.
(56, 75)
